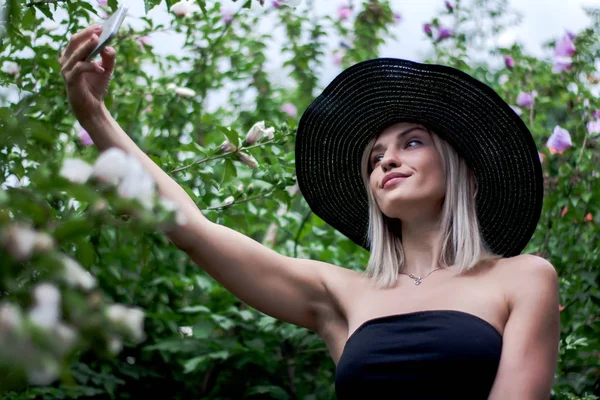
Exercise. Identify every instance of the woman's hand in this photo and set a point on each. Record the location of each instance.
(87, 82)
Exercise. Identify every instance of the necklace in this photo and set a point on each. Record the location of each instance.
(418, 279)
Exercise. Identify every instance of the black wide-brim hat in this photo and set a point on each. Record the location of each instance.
(372, 95)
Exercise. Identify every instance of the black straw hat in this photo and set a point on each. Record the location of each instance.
(372, 95)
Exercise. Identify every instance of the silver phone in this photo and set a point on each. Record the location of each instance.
(110, 27)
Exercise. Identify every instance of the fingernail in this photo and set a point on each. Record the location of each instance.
(97, 28)
(100, 69)
(94, 38)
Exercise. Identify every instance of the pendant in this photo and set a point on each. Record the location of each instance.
(418, 281)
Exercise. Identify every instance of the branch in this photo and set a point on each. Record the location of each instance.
(308, 214)
(40, 2)
(219, 156)
(240, 201)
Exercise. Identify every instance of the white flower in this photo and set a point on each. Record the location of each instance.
(182, 8)
(137, 184)
(184, 92)
(44, 242)
(76, 275)
(10, 317)
(44, 373)
(19, 241)
(257, 131)
(10, 67)
(67, 337)
(111, 165)
(171, 206)
(46, 311)
(115, 345)
(186, 330)
(229, 200)
(76, 170)
(131, 318)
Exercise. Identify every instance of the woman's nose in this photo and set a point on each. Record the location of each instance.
(389, 162)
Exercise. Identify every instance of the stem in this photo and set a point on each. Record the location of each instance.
(40, 2)
(299, 232)
(241, 201)
(582, 148)
(220, 156)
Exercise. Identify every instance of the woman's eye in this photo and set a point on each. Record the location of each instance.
(376, 159)
(412, 141)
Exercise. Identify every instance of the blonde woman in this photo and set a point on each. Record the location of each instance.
(431, 171)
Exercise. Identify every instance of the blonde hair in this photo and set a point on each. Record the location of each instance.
(461, 243)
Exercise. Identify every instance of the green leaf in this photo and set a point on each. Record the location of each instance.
(195, 309)
(273, 392)
(73, 229)
(229, 172)
(231, 135)
(202, 4)
(150, 4)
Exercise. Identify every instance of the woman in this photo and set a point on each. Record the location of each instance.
(432, 172)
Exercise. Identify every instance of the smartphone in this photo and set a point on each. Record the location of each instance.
(110, 27)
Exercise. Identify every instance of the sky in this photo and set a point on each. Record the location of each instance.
(543, 20)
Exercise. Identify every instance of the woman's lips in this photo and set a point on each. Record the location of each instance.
(394, 181)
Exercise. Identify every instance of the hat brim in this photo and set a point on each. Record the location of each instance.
(372, 95)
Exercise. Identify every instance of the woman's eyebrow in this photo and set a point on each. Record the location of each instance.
(379, 146)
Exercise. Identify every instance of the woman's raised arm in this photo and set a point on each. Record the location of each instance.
(289, 289)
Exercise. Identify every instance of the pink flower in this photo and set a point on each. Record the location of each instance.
(596, 114)
(276, 4)
(142, 40)
(448, 5)
(182, 8)
(84, 138)
(427, 29)
(509, 61)
(563, 51)
(444, 33)
(559, 141)
(103, 2)
(593, 126)
(289, 109)
(564, 47)
(397, 18)
(337, 57)
(562, 64)
(344, 12)
(525, 99)
(227, 16)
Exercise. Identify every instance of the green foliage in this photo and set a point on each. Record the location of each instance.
(234, 351)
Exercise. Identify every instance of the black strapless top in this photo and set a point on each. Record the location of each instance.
(424, 355)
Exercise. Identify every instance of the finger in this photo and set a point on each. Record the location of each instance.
(82, 67)
(109, 56)
(80, 54)
(79, 38)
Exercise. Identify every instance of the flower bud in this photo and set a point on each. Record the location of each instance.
(227, 147)
(255, 133)
(248, 160)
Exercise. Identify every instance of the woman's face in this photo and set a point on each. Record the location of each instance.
(407, 149)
